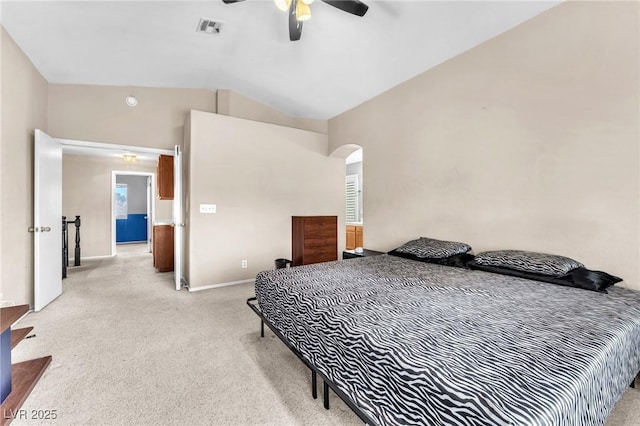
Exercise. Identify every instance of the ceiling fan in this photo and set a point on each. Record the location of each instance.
(299, 11)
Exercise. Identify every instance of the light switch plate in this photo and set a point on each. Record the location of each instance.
(207, 208)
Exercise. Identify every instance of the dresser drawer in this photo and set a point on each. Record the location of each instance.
(321, 255)
(320, 226)
(330, 241)
(321, 233)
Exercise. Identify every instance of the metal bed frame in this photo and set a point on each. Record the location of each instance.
(326, 383)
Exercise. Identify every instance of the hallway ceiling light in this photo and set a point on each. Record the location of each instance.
(129, 158)
(131, 101)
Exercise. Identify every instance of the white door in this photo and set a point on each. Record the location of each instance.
(47, 220)
(177, 217)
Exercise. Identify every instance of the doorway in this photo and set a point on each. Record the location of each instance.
(132, 212)
(354, 199)
(354, 211)
(89, 192)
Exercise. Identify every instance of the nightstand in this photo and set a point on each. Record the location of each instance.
(351, 254)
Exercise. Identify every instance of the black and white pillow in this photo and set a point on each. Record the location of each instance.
(430, 248)
(527, 261)
(580, 277)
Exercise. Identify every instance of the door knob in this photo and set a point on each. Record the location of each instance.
(45, 229)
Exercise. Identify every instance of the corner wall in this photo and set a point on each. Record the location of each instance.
(24, 109)
(529, 141)
(258, 175)
(235, 105)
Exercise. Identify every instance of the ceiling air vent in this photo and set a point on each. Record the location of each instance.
(209, 26)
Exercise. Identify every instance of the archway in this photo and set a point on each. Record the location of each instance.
(354, 211)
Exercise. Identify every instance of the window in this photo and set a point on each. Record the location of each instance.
(352, 190)
(121, 200)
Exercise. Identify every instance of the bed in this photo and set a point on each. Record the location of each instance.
(407, 342)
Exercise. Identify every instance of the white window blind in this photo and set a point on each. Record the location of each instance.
(351, 188)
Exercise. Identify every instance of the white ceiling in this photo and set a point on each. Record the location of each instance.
(341, 61)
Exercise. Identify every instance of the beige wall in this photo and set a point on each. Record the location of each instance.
(99, 114)
(529, 141)
(258, 175)
(236, 105)
(24, 109)
(86, 192)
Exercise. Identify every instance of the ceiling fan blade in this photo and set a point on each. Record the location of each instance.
(354, 7)
(295, 26)
(231, 1)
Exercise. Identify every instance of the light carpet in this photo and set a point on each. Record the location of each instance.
(130, 350)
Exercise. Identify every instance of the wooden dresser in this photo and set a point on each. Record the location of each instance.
(314, 239)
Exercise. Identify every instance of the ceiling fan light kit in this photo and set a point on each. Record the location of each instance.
(303, 11)
(299, 11)
(283, 5)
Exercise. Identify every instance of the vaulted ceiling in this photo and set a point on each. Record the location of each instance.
(341, 61)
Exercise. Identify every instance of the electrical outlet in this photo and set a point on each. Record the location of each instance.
(244, 264)
(207, 208)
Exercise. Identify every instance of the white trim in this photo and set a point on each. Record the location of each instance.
(208, 287)
(111, 147)
(105, 256)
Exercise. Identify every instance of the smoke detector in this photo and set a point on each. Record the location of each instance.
(209, 26)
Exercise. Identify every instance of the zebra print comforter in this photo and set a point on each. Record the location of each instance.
(418, 343)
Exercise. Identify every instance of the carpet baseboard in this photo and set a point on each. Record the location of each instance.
(208, 287)
(105, 256)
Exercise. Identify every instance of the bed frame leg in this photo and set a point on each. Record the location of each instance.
(633, 383)
(325, 394)
(314, 384)
(261, 328)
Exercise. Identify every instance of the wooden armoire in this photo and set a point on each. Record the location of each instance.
(314, 239)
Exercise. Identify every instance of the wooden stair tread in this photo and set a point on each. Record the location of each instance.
(17, 334)
(24, 376)
(11, 314)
